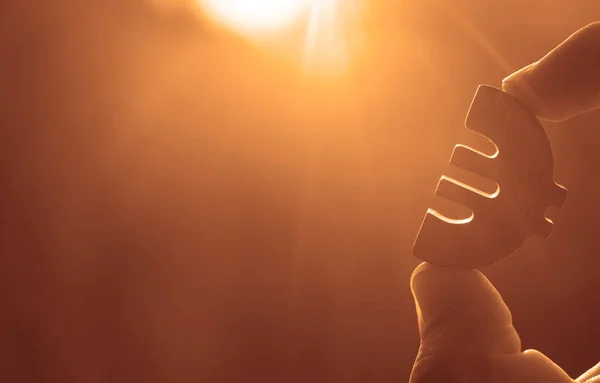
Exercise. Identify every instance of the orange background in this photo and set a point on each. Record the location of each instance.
(177, 206)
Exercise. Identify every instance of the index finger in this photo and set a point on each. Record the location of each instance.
(565, 82)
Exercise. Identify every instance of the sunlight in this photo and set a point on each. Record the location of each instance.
(252, 16)
(325, 31)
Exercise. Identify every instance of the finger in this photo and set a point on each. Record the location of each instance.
(526, 367)
(564, 83)
(591, 374)
(461, 309)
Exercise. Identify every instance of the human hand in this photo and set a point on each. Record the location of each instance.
(466, 329)
(467, 333)
(565, 82)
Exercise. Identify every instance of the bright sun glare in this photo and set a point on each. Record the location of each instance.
(255, 15)
(328, 26)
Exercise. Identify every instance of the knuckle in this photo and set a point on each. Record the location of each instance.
(450, 366)
(594, 28)
(430, 369)
(589, 36)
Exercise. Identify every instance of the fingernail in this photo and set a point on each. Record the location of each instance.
(514, 83)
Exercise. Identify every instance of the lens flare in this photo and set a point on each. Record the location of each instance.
(252, 16)
(327, 32)
(333, 31)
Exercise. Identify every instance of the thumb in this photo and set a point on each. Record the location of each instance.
(565, 82)
(467, 333)
(461, 309)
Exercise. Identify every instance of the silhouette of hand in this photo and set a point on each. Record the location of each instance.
(467, 333)
(466, 329)
(565, 82)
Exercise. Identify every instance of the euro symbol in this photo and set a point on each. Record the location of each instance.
(501, 222)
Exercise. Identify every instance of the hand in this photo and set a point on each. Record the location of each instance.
(467, 333)
(466, 329)
(565, 82)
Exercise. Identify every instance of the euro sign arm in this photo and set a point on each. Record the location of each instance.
(501, 222)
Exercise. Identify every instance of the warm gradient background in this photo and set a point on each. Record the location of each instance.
(176, 207)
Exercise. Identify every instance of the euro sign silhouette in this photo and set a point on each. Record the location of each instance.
(501, 222)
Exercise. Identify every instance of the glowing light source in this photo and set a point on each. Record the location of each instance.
(252, 16)
(325, 31)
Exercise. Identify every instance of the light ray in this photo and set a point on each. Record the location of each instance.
(256, 16)
(332, 34)
(328, 28)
